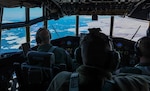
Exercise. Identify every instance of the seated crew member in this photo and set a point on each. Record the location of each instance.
(77, 52)
(143, 54)
(96, 52)
(43, 38)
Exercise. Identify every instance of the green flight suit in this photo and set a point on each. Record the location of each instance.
(61, 55)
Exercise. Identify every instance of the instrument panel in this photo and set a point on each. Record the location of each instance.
(69, 43)
(124, 46)
(126, 49)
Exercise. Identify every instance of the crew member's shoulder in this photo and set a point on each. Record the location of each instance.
(59, 49)
(63, 75)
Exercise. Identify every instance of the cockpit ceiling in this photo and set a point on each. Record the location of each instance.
(38, 3)
(141, 11)
(113, 8)
(21, 3)
(59, 8)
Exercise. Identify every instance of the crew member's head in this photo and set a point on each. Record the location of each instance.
(96, 50)
(142, 48)
(43, 36)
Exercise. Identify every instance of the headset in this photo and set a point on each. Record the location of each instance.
(137, 49)
(77, 55)
(39, 38)
(113, 57)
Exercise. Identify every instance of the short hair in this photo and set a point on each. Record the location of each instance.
(143, 47)
(97, 46)
(38, 37)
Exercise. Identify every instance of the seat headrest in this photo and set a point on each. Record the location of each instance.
(43, 59)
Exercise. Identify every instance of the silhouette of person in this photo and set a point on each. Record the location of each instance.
(97, 53)
(43, 39)
(142, 52)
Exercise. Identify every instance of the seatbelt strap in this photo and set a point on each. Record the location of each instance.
(108, 85)
(52, 48)
(74, 82)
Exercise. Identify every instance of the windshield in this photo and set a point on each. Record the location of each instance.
(66, 26)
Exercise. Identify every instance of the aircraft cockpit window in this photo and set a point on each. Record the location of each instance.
(130, 29)
(12, 15)
(35, 13)
(13, 38)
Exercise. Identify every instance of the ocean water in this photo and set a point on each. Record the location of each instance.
(13, 38)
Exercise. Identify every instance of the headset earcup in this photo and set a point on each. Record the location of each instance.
(77, 55)
(138, 52)
(113, 60)
(117, 59)
(38, 39)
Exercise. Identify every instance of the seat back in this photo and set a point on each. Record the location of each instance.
(41, 59)
(37, 72)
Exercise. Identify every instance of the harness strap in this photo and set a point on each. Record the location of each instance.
(74, 82)
(109, 85)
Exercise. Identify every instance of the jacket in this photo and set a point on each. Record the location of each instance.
(90, 78)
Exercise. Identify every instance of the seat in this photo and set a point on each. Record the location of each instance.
(41, 59)
(37, 72)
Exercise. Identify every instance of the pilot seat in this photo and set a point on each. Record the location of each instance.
(36, 73)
